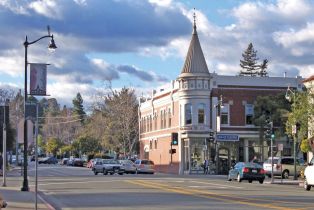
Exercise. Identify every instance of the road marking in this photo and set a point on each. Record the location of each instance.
(212, 195)
(221, 185)
(82, 182)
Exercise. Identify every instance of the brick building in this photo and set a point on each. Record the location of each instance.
(189, 106)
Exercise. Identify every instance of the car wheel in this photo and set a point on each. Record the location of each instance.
(120, 173)
(250, 181)
(95, 172)
(285, 174)
(306, 186)
(261, 181)
(111, 173)
(239, 178)
(105, 172)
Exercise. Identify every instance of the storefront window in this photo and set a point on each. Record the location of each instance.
(197, 155)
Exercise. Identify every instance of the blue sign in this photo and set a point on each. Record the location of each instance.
(227, 137)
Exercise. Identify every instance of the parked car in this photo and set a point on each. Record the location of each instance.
(283, 166)
(106, 166)
(247, 171)
(129, 166)
(309, 175)
(78, 162)
(64, 161)
(48, 160)
(144, 166)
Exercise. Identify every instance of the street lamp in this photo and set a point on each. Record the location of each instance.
(218, 106)
(52, 46)
(289, 92)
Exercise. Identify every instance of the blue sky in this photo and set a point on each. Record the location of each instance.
(143, 43)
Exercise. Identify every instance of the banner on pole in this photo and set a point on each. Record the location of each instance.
(38, 79)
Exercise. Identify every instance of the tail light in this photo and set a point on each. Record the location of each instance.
(262, 171)
(245, 170)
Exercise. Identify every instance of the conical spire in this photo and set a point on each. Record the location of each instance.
(195, 63)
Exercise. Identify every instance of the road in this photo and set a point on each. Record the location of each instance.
(78, 188)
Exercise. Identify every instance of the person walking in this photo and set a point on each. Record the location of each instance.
(205, 166)
(1, 165)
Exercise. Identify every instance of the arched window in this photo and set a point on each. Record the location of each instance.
(169, 118)
(161, 119)
(188, 114)
(201, 113)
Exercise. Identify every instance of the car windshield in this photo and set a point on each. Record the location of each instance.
(114, 162)
(106, 161)
(275, 161)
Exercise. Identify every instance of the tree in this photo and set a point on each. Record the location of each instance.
(78, 108)
(302, 112)
(53, 144)
(263, 67)
(249, 62)
(115, 121)
(274, 107)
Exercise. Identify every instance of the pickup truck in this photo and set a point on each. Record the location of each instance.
(106, 166)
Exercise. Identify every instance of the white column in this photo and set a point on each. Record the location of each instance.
(246, 150)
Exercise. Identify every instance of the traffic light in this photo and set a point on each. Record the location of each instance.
(172, 151)
(269, 133)
(211, 136)
(174, 138)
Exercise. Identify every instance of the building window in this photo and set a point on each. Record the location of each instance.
(161, 119)
(169, 118)
(150, 123)
(165, 119)
(249, 111)
(201, 113)
(155, 121)
(150, 144)
(225, 114)
(188, 114)
(155, 144)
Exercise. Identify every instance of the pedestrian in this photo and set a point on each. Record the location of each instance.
(1, 165)
(3, 203)
(205, 166)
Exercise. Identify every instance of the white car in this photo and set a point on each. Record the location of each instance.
(309, 175)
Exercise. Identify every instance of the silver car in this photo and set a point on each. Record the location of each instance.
(145, 166)
(283, 166)
(129, 166)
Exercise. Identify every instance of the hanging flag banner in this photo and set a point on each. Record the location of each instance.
(38, 79)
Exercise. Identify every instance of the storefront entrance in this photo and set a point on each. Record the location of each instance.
(223, 160)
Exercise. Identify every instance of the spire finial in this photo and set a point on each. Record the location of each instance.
(194, 25)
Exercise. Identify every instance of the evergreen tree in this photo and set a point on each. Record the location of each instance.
(263, 67)
(78, 108)
(249, 62)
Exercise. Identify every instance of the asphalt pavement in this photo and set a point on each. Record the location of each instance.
(18, 200)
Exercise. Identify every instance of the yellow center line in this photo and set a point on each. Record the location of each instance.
(205, 194)
(268, 200)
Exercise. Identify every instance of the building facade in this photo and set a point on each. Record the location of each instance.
(212, 115)
(309, 84)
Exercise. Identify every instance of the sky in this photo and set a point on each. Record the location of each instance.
(142, 44)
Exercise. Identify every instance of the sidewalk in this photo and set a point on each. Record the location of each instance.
(17, 199)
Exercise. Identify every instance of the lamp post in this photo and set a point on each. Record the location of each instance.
(4, 145)
(51, 46)
(294, 131)
(219, 106)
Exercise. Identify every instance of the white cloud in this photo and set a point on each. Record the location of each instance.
(47, 8)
